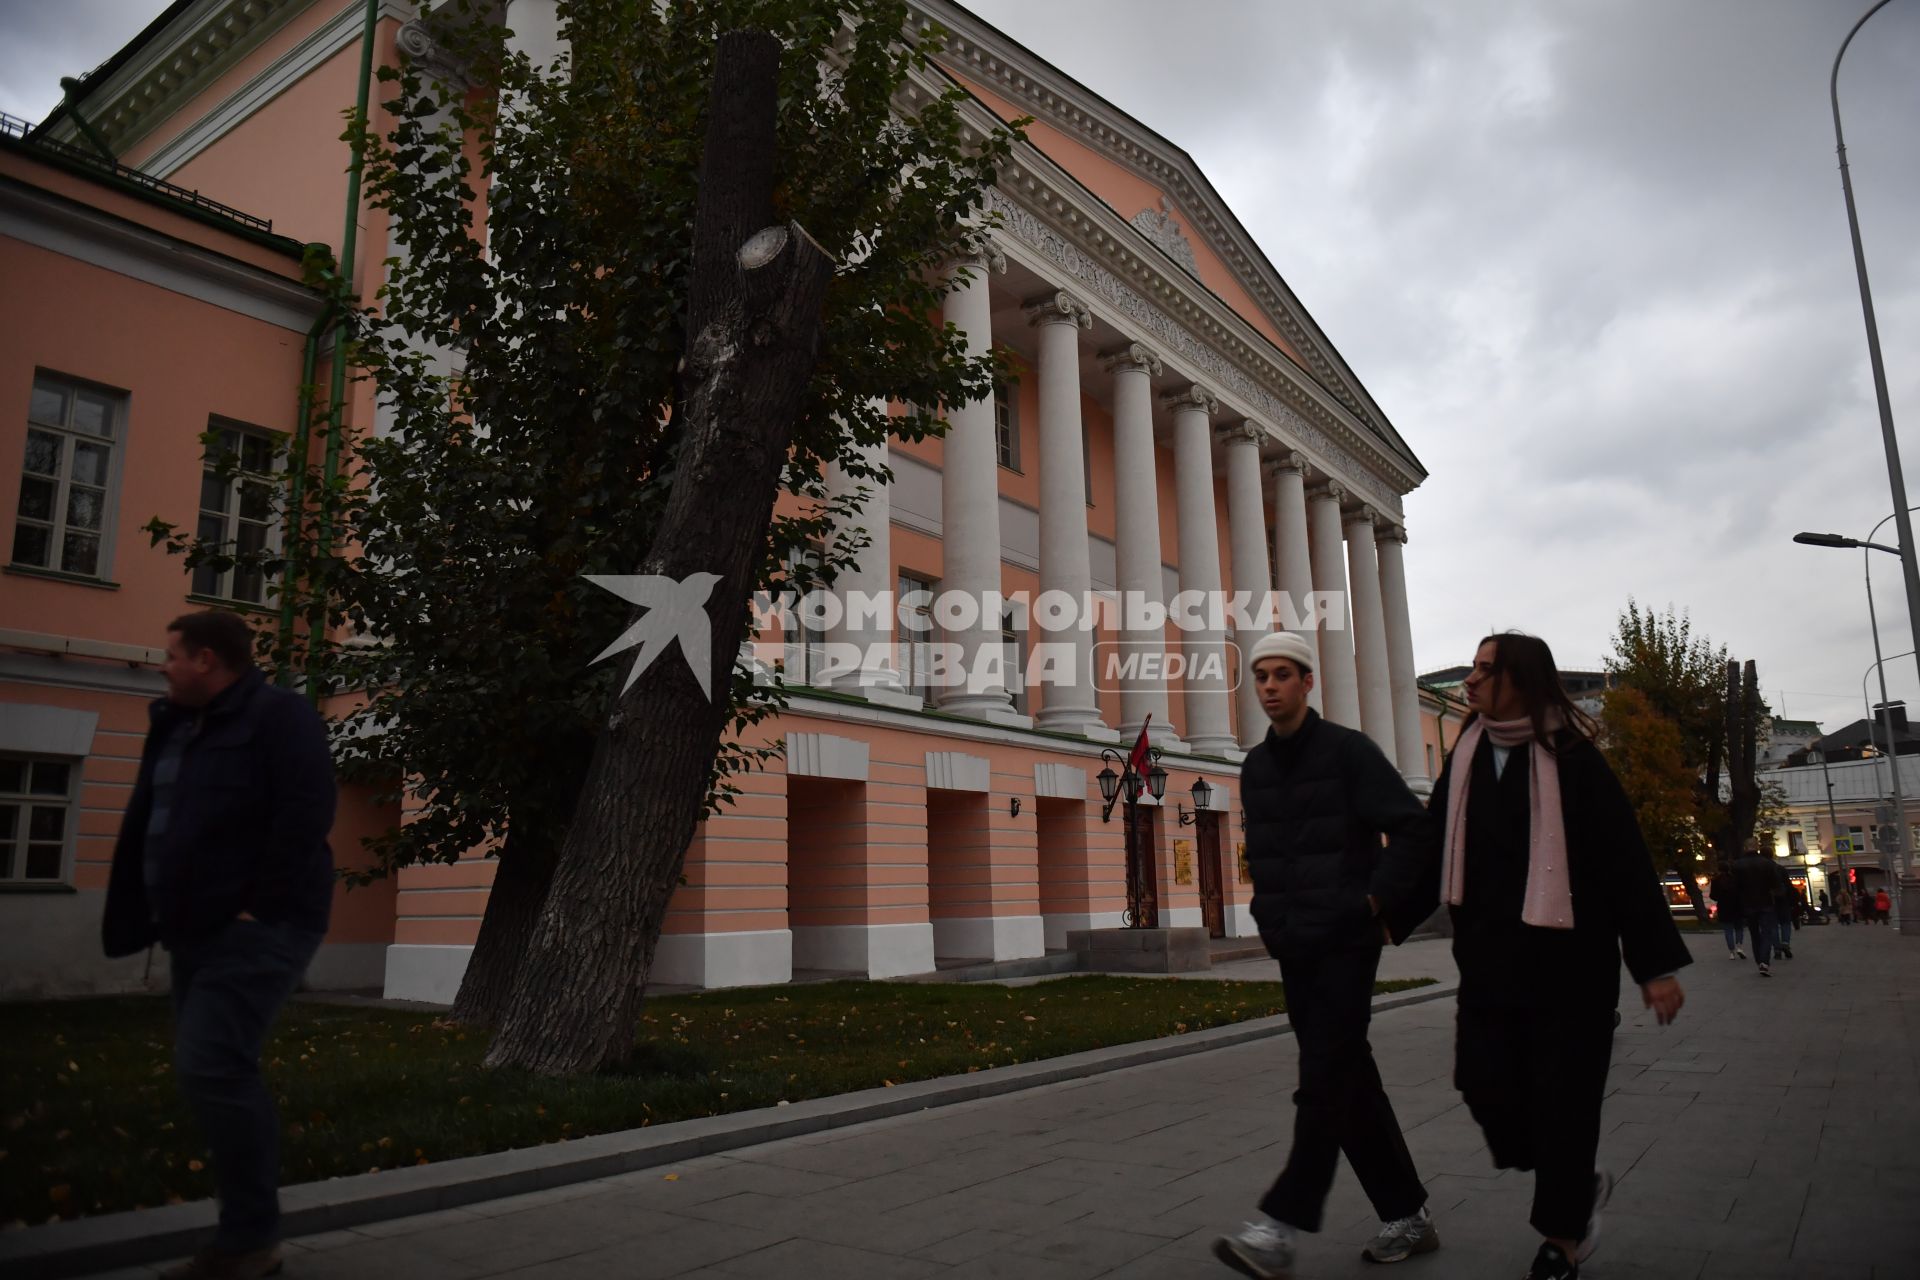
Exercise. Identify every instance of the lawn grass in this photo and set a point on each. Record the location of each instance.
(94, 1121)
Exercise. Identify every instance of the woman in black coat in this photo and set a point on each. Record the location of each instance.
(1549, 881)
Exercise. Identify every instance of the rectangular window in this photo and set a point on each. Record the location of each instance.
(913, 598)
(236, 510)
(1430, 772)
(37, 818)
(1006, 426)
(1796, 843)
(1858, 837)
(1086, 462)
(806, 645)
(63, 521)
(1014, 651)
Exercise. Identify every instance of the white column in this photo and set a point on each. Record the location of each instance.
(1247, 545)
(1068, 702)
(1290, 550)
(865, 588)
(1392, 542)
(1369, 631)
(1209, 715)
(970, 514)
(1339, 695)
(1136, 510)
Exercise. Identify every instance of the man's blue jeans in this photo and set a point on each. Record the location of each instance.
(227, 989)
(1783, 927)
(1733, 929)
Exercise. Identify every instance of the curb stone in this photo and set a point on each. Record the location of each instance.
(142, 1236)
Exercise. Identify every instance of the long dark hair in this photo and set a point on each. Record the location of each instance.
(1526, 665)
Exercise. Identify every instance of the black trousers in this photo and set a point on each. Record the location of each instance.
(1340, 1105)
(227, 990)
(1534, 1080)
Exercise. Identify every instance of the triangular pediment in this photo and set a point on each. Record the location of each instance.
(1157, 188)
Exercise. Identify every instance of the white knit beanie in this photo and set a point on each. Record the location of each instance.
(1282, 644)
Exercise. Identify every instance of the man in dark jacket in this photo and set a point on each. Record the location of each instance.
(1754, 882)
(1326, 896)
(223, 860)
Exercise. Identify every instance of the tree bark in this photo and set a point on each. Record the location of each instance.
(520, 884)
(754, 325)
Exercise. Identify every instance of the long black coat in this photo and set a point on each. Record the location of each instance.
(1317, 804)
(1618, 907)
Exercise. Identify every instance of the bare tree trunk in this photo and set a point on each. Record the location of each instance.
(525, 866)
(754, 325)
(520, 884)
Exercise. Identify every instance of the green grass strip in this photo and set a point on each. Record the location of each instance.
(94, 1121)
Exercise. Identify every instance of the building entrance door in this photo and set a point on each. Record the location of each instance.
(1213, 906)
(1143, 867)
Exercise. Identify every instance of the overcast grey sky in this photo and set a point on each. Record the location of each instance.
(1590, 257)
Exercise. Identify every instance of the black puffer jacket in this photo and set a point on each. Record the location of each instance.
(1317, 804)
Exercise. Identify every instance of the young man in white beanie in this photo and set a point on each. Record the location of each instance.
(1327, 896)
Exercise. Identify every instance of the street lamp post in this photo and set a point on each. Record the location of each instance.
(1910, 571)
(1903, 885)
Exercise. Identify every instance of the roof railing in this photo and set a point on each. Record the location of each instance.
(22, 131)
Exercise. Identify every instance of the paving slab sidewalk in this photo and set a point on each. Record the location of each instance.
(1773, 1132)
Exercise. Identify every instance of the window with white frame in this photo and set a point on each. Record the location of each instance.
(1006, 426)
(236, 510)
(1014, 651)
(63, 518)
(37, 818)
(913, 600)
(806, 645)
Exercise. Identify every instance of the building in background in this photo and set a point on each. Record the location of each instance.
(1180, 423)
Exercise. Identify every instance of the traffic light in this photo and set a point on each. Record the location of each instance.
(1853, 875)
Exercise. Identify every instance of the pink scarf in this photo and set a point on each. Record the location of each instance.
(1549, 898)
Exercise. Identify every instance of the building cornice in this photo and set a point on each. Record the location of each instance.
(990, 57)
(196, 49)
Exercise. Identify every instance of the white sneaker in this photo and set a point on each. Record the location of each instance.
(1262, 1249)
(1402, 1238)
(1602, 1192)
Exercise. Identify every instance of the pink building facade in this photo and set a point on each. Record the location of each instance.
(1179, 424)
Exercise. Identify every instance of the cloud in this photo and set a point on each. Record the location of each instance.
(1592, 260)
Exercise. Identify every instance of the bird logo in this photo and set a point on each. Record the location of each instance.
(676, 611)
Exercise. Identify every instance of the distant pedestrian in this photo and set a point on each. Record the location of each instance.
(1785, 901)
(1319, 797)
(1844, 905)
(1882, 906)
(1728, 913)
(1549, 881)
(1863, 906)
(1753, 890)
(222, 859)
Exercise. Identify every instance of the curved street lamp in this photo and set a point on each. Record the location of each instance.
(1895, 480)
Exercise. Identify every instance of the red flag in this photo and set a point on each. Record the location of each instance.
(1139, 761)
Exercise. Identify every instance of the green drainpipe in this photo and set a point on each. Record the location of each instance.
(297, 478)
(337, 388)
